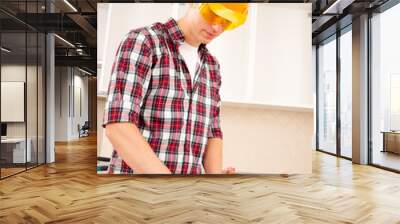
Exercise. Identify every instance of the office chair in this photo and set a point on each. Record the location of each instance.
(84, 130)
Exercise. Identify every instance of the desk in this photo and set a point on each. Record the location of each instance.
(13, 150)
(391, 141)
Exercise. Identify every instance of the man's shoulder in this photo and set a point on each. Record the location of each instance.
(148, 34)
(212, 64)
(212, 60)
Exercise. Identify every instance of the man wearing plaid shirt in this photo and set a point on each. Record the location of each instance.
(162, 116)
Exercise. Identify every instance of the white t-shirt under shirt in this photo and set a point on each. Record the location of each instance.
(191, 57)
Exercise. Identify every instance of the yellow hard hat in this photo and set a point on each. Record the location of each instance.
(230, 15)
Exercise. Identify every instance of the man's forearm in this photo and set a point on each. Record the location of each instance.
(134, 149)
(212, 160)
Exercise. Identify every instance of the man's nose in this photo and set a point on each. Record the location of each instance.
(217, 28)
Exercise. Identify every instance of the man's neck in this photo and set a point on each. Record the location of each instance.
(186, 33)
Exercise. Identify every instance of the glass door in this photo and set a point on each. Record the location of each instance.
(327, 96)
(346, 93)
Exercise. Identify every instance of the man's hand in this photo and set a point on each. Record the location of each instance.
(229, 170)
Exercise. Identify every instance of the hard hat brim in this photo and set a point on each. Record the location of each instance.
(235, 18)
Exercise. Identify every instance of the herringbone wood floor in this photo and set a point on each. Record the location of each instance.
(69, 191)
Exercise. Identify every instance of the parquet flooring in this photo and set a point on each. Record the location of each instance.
(9, 171)
(69, 191)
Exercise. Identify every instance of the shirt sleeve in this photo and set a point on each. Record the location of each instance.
(215, 130)
(130, 77)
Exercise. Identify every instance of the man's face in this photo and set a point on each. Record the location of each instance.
(203, 30)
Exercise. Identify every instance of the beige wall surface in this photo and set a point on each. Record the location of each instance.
(256, 139)
(267, 140)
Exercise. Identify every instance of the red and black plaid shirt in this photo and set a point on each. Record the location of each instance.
(151, 87)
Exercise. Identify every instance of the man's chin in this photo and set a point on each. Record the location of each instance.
(206, 41)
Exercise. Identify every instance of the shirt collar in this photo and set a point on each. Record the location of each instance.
(174, 31)
(176, 34)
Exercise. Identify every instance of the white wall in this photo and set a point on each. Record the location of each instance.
(268, 60)
(68, 82)
(265, 61)
(61, 103)
(80, 83)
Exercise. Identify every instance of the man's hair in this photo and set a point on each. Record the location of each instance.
(191, 6)
(194, 4)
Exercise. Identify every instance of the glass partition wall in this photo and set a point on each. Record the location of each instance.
(334, 80)
(385, 89)
(22, 87)
(327, 95)
(334, 95)
(346, 93)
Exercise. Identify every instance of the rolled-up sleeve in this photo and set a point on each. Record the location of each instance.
(130, 77)
(215, 126)
(215, 130)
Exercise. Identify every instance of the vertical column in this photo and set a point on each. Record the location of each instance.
(315, 94)
(50, 92)
(338, 98)
(360, 90)
(317, 112)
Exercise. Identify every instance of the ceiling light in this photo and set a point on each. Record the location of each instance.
(86, 72)
(5, 50)
(64, 40)
(338, 6)
(70, 5)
